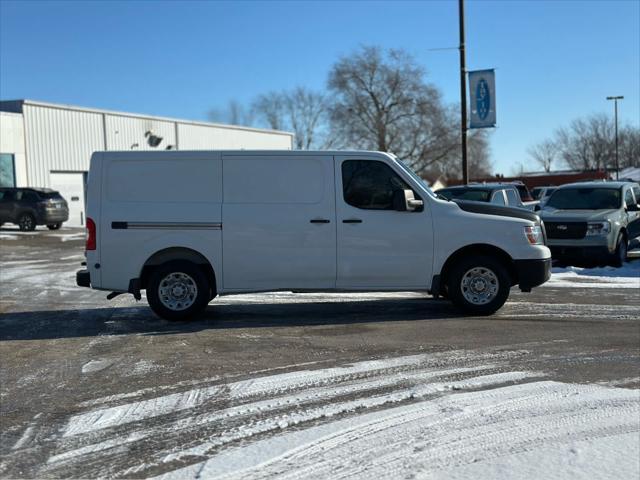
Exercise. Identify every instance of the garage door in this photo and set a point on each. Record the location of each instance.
(71, 187)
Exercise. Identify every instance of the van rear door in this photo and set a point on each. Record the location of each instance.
(279, 228)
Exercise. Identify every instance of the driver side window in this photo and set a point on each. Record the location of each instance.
(369, 184)
(628, 198)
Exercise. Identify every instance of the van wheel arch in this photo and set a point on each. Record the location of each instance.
(183, 254)
(476, 250)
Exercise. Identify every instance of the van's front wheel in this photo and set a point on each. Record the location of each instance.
(479, 285)
(177, 290)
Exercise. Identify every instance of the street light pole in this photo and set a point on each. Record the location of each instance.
(463, 95)
(615, 109)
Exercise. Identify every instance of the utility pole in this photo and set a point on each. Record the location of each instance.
(615, 103)
(463, 95)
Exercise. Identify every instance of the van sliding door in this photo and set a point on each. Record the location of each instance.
(279, 228)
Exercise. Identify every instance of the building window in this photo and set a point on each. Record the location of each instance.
(7, 170)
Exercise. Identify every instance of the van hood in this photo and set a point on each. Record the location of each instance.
(498, 210)
(554, 215)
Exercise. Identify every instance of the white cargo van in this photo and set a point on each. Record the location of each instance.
(187, 226)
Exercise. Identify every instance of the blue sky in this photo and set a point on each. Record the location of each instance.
(555, 60)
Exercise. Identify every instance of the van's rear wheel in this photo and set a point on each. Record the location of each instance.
(178, 290)
(478, 285)
(54, 226)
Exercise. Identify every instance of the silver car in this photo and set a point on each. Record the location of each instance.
(592, 220)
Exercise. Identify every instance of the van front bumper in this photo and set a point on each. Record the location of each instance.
(83, 278)
(532, 273)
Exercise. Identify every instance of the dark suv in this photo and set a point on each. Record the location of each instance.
(29, 207)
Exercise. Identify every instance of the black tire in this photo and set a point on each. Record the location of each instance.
(197, 301)
(54, 226)
(490, 271)
(620, 255)
(27, 222)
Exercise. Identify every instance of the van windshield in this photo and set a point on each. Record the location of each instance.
(587, 198)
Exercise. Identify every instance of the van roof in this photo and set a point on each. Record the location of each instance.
(254, 152)
(195, 154)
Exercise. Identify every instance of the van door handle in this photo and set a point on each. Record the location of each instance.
(320, 220)
(352, 220)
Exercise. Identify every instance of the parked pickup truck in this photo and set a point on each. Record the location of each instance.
(187, 226)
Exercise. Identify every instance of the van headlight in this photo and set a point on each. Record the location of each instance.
(598, 228)
(534, 235)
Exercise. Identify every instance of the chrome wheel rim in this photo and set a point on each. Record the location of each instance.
(479, 286)
(177, 291)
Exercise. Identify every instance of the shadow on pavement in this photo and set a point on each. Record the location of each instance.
(140, 320)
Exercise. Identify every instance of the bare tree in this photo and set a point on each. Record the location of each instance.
(307, 112)
(587, 143)
(478, 154)
(544, 153)
(629, 146)
(270, 110)
(302, 111)
(233, 114)
(382, 102)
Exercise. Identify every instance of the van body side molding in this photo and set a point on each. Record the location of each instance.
(166, 225)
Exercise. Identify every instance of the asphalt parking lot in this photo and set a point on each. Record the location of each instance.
(91, 387)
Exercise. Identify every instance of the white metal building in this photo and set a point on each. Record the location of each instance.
(49, 145)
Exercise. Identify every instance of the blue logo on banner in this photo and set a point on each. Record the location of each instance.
(483, 99)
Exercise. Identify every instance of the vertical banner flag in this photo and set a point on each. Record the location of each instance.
(482, 96)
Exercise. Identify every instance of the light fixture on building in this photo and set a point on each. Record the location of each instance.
(152, 140)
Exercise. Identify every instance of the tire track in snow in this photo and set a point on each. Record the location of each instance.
(103, 436)
(445, 433)
(267, 385)
(589, 312)
(185, 427)
(273, 404)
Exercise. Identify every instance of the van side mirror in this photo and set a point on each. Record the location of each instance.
(405, 201)
(634, 207)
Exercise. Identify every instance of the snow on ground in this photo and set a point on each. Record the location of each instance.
(64, 234)
(627, 276)
(531, 430)
(455, 414)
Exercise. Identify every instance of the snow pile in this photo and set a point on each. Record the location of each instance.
(627, 276)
